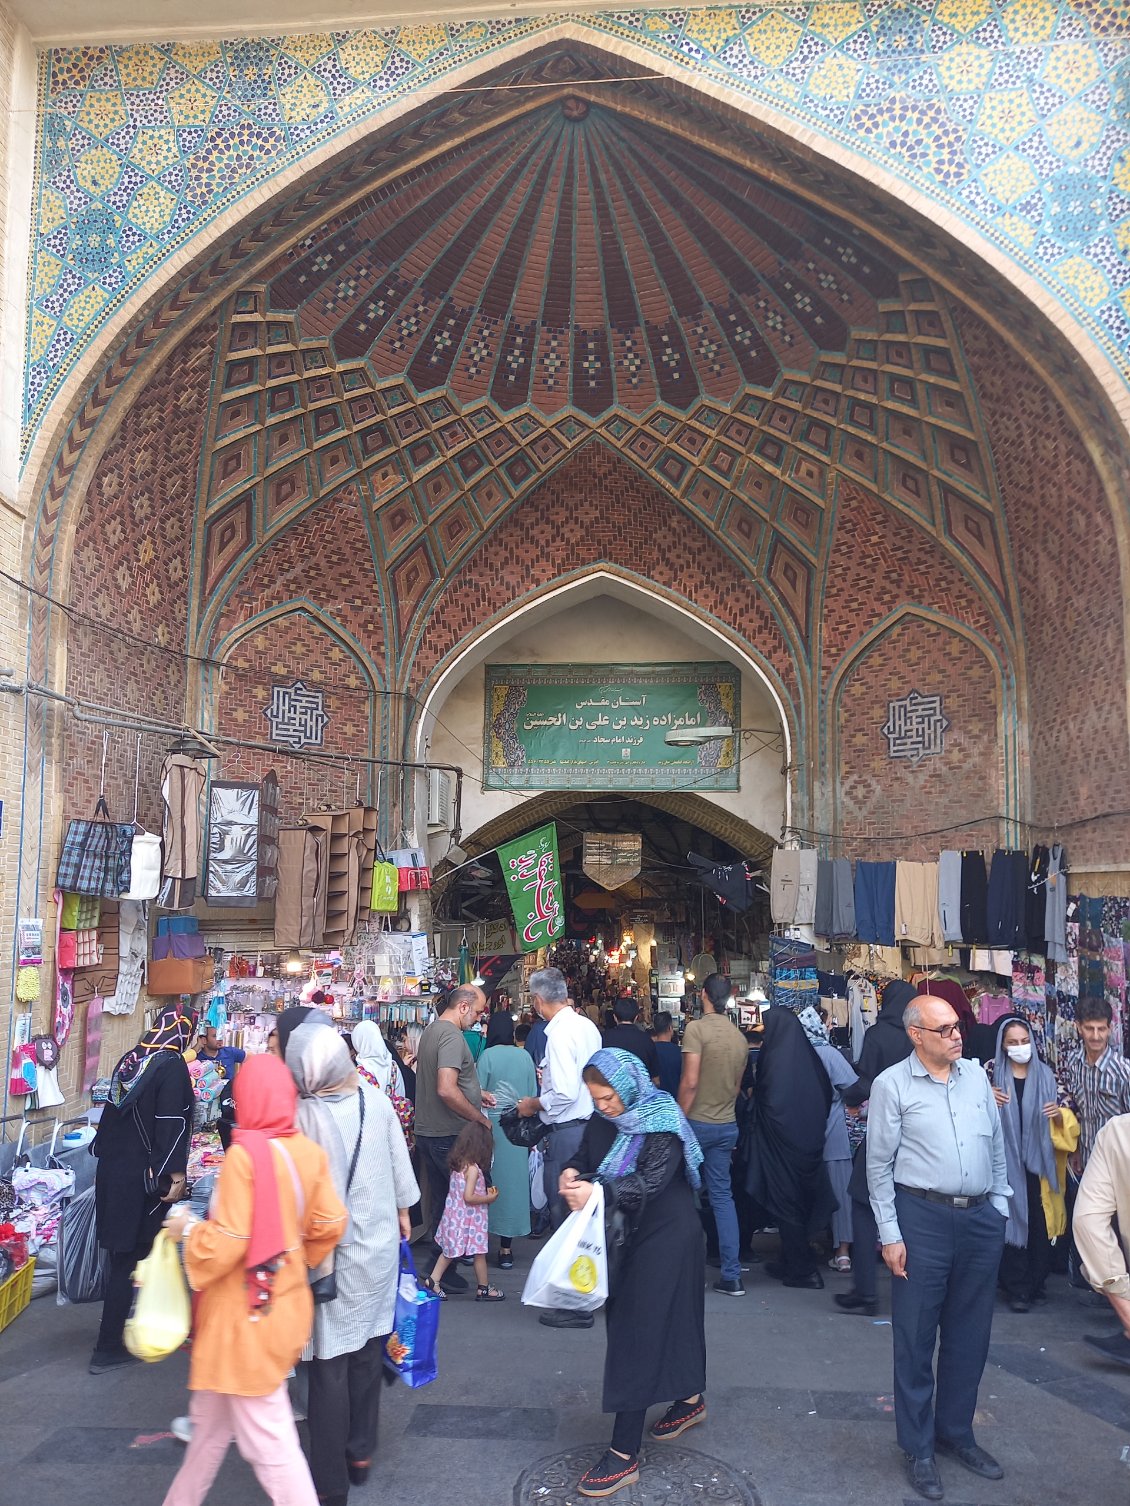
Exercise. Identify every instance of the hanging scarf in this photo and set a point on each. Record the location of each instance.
(266, 1101)
(374, 1059)
(1027, 1134)
(647, 1111)
(171, 1034)
(814, 1027)
(319, 1062)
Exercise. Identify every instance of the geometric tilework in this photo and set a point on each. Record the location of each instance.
(1009, 114)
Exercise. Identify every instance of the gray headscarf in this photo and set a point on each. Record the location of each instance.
(1027, 1135)
(320, 1064)
(814, 1027)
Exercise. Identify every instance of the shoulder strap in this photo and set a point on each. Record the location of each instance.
(357, 1147)
(299, 1195)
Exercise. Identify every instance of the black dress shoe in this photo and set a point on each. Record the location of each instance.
(731, 1287)
(1114, 1346)
(451, 1281)
(110, 1359)
(1020, 1304)
(358, 1473)
(852, 1302)
(813, 1282)
(564, 1317)
(924, 1477)
(972, 1458)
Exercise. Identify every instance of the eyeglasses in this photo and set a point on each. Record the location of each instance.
(947, 1032)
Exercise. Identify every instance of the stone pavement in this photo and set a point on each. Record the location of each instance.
(799, 1414)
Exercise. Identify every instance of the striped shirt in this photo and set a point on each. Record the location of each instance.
(1100, 1090)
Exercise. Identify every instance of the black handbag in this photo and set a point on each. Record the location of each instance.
(525, 1133)
(324, 1288)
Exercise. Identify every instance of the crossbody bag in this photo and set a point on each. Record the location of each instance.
(323, 1288)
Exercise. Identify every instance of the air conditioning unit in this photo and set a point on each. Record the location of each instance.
(439, 800)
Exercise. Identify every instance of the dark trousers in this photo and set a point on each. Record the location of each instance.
(864, 1236)
(627, 1433)
(1024, 1270)
(434, 1151)
(343, 1412)
(119, 1297)
(796, 1252)
(952, 1259)
(560, 1145)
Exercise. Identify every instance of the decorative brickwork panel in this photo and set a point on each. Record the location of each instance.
(129, 581)
(880, 561)
(285, 649)
(879, 796)
(597, 509)
(1072, 601)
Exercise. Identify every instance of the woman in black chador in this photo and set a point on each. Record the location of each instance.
(639, 1146)
(142, 1150)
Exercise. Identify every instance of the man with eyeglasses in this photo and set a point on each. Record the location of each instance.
(939, 1188)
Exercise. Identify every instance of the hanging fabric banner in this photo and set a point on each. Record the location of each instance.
(533, 880)
(612, 859)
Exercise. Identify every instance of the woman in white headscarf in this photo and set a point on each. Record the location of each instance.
(375, 1062)
(356, 1125)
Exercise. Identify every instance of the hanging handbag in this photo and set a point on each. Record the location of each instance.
(23, 1076)
(412, 871)
(145, 866)
(96, 856)
(385, 896)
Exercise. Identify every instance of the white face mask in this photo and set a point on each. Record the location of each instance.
(1020, 1053)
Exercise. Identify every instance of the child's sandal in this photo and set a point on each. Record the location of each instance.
(489, 1294)
(429, 1286)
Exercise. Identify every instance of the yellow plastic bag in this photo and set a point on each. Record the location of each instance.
(162, 1310)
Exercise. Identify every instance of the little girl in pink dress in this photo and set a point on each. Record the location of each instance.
(463, 1227)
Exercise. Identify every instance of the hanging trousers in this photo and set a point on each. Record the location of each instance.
(343, 1413)
(263, 1430)
(952, 1259)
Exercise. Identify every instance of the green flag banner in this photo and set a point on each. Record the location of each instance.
(533, 880)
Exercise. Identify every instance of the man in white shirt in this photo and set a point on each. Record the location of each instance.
(564, 1102)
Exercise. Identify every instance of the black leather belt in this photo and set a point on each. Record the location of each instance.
(971, 1200)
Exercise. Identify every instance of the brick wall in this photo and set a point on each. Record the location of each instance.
(879, 796)
(283, 650)
(598, 509)
(1071, 598)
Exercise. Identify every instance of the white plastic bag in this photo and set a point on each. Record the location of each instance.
(537, 1179)
(572, 1270)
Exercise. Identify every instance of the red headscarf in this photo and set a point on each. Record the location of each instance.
(266, 1102)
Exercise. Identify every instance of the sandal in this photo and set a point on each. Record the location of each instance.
(841, 1264)
(489, 1294)
(430, 1286)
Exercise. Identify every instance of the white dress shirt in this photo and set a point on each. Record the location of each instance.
(571, 1040)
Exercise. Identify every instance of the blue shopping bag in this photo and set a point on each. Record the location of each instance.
(410, 1349)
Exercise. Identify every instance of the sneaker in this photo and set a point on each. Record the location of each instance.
(679, 1416)
(181, 1429)
(609, 1476)
(730, 1287)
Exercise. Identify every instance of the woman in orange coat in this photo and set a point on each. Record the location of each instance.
(274, 1215)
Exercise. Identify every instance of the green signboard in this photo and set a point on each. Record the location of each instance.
(532, 871)
(603, 726)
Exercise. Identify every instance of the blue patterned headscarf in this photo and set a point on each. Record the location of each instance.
(647, 1111)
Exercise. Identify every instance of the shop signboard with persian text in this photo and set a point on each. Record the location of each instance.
(604, 726)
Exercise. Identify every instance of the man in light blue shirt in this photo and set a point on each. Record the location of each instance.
(939, 1190)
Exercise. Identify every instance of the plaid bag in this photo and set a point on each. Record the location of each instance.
(96, 856)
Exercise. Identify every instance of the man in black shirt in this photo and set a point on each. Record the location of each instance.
(668, 1053)
(628, 1036)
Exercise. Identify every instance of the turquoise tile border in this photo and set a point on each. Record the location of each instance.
(1012, 115)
